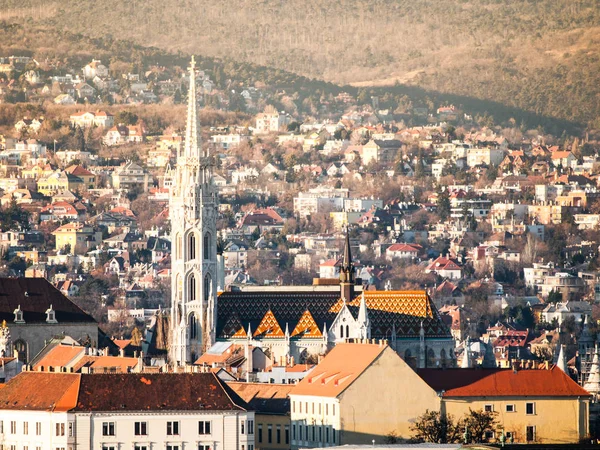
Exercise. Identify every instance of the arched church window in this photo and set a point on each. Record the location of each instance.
(192, 287)
(192, 246)
(193, 326)
(443, 358)
(207, 249)
(347, 331)
(341, 331)
(430, 358)
(207, 287)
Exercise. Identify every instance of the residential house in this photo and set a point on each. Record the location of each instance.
(403, 251)
(445, 267)
(121, 134)
(77, 237)
(131, 176)
(124, 410)
(271, 122)
(87, 119)
(380, 151)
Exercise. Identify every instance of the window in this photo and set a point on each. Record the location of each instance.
(327, 434)
(251, 427)
(341, 331)
(300, 405)
(108, 428)
(489, 435)
(1, 426)
(173, 430)
(192, 287)
(260, 433)
(510, 408)
(25, 427)
(242, 426)
(192, 246)
(13, 427)
(250, 447)
(530, 408)
(207, 287)
(270, 434)
(489, 408)
(193, 326)
(313, 407)
(293, 432)
(312, 429)
(38, 428)
(333, 407)
(333, 435)
(287, 434)
(140, 447)
(207, 246)
(104, 447)
(293, 406)
(171, 446)
(204, 447)
(140, 428)
(278, 434)
(327, 409)
(60, 429)
(71, 429)
(320, 434)
(204, 427)
(530, 432)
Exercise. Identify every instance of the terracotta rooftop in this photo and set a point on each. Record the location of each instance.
(502, 383)
(61, 355)
(157, 392)
(264, 397)
(338, 370)
(40, 391)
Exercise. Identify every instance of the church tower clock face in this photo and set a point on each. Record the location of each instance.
(193, 203)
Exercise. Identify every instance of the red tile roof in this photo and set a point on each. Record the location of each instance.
(502, 383)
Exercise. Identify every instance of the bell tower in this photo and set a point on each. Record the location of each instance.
(193, 203)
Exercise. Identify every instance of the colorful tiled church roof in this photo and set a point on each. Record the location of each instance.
(307, 327)
(269, 327)
(403, 310)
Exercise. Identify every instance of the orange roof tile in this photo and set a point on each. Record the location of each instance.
(114, 361)
(41, 391)
(60, 356)
(530, 383)
(269, 327)
(338, 370)
(307, 327)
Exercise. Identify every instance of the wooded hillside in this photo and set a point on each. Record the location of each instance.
(539, 55)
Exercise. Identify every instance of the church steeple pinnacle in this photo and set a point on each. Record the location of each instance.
(347, 271)
(193, 146)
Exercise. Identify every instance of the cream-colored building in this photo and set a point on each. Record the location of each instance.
(356, 394)
(77, 237)
(531, 406)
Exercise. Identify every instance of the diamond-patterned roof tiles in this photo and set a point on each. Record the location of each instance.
(269, 327)
(307, 327)
(405, 310)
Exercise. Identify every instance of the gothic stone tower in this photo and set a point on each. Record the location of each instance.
(193, 202)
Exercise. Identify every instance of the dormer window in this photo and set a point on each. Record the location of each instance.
(18, 315)
(50, 315)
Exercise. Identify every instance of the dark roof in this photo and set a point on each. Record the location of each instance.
(403, 310)
(288, 306)
(35, 296)
(156, 392)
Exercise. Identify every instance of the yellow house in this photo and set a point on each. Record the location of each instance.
(357, 394)
(531, 406)
(272, 425)
(77, 237)
(88, 178)
(59, 182)
(35, 172)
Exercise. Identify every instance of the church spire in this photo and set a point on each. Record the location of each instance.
(347, 271)
(193, 144)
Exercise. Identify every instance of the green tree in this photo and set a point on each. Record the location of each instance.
(443, 205)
